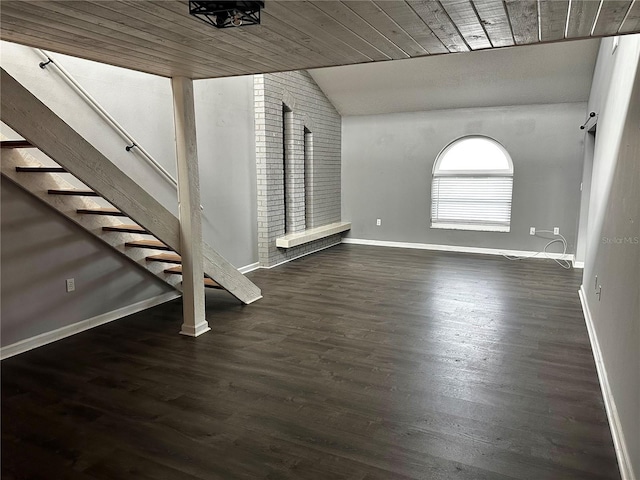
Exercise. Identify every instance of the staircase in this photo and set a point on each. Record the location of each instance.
(109, 204)
(105, 222)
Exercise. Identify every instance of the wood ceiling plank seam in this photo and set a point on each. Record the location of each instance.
(287, 60)
(431, 13)
(257, 34)
(412, 24)
(53, 46)
(98, 29)
(204, 34)
(343, 33)
(222, 56)
(383, 23)
(493, 17)
(582, 14)
(631, 22)
(279, 35)
(46, 31)
(301, 40)
(338, 10)
(506, 12)
(126, 57)
(210, 34)
(553, 19)
(345, 16)
(523, 15)
(465, 19)
(482, 24)
(297, 21)
(47, 15)
(610, 17)
(146, 32)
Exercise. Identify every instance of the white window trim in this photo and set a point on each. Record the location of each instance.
(438, 173)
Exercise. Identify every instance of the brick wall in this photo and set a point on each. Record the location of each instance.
(312, 190)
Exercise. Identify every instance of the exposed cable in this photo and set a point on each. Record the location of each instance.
(562, 262)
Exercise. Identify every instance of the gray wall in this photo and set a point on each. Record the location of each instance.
(140, 102)
(310, 109)
(143, 105)
(226, 153)
(613, 237)
(388, 161)
(40, 249)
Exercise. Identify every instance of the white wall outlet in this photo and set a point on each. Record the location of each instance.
(378, 222)
(532, 230)
(556, 230)
(71, 284)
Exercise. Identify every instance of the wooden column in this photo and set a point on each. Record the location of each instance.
(194, 322)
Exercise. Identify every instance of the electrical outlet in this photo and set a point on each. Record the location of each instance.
(71, 284)
(556, 230)
(532, 230)
(378, 222)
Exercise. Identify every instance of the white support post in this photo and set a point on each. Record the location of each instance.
(194, 322)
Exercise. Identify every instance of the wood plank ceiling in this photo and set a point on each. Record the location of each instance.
(160, 37)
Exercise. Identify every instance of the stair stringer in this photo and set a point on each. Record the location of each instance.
(38, 124)
(38, 185)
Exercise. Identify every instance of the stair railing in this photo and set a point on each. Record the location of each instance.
(93, 103)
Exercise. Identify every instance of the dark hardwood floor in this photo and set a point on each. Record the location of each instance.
(360, 363)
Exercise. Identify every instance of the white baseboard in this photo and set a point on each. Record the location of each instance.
(249, 268)
(457, 248)
(300, 256)
(622, 453)
(66, 331)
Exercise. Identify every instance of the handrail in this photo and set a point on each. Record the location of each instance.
(105, 115)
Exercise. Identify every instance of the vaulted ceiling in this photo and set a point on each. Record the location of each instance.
(160, 37)
(526, 75)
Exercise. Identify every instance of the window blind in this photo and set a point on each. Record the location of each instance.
(471, 201)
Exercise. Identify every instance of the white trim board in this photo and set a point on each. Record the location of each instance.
(457, 248)
(622, 453)
(68, 330)
(249, 268)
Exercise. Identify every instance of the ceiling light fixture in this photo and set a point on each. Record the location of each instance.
(224, 14)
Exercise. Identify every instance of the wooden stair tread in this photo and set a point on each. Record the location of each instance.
(154, 244)
(165, 257)
(125, 228)
(41, 169)
(16, 144)
(102, 211)
(208, 282)
(73, 191)
(174, 270)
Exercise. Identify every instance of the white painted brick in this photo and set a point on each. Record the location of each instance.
(312, 190)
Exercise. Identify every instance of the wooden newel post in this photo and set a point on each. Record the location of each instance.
(194, 322)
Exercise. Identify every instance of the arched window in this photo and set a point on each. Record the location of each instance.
(472, 185)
